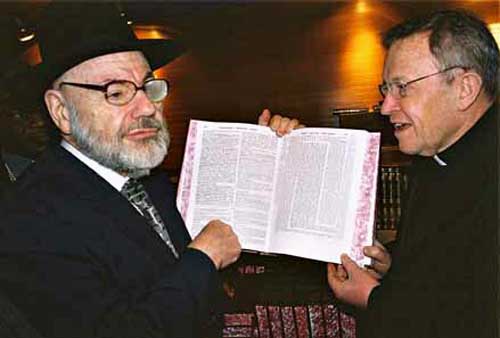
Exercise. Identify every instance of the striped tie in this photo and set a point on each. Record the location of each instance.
(134, 191)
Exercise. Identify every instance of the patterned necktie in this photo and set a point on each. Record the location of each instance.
(134, 191)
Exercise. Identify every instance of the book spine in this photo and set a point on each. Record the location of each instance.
(275, 321)
(289, 328)
(262, 321)
(392, 187)
(348, 326)
(238, 325)
(332, 321)
(301, 320)
(239, 319)
(384, 199)
(398, 197)
(316, 321)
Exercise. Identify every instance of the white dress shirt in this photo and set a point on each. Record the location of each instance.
(111, 176)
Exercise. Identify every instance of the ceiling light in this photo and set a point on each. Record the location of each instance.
(24, 34)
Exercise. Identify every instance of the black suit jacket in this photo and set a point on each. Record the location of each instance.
(442, 282)
(80, 261)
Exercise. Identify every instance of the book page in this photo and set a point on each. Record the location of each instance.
(228, 174)
(310, 193)
(323, 176)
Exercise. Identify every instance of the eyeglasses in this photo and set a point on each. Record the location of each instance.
(121, 92)
(402, 87)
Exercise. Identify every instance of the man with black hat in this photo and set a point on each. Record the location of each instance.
(91, 244)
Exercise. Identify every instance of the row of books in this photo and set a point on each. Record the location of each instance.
(392, 186)
(290, 321)
(282, 297)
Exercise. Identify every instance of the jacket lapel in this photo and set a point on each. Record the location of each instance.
(95, 192)
(162, 194)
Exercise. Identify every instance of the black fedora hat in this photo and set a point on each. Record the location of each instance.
(70, 33)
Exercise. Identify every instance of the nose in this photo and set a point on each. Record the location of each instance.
(143, 106)
(389, 105)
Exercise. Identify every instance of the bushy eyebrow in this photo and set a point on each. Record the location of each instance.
(149, 75)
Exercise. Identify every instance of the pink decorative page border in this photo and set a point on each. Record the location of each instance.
(185, 180)
(366, 199)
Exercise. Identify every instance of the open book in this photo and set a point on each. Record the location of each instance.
(310, 193)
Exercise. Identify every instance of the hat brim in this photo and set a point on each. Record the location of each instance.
(161, 52)
(158, 52)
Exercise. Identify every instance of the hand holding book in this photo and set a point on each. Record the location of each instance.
(350, 283)
(381, 259)
(218, 241)
(282, 125)
(310, 193)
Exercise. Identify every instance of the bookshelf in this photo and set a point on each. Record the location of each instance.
(282, 297)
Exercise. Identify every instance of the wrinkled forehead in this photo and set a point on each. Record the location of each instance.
(408, 58)
(128, 65)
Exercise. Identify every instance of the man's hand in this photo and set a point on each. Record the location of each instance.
(350, 283)
(218, 241)
(381, 259)
(281, 125)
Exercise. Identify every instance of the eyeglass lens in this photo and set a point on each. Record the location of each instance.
(156, 90)
(120, 93)
(398, 89)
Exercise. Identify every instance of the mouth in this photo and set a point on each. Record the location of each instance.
(142, 133)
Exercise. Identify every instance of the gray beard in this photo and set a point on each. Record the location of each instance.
(114, 154)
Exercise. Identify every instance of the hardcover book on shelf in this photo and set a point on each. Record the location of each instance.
(308, 194)
(393, 184)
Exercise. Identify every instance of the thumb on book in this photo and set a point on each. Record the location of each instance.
(348, 264)
(265, 117)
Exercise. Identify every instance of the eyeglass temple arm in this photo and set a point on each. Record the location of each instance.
(85, 85)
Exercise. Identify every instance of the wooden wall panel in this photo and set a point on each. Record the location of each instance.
(299, 58)
(302, 59)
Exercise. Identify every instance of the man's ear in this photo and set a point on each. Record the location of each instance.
(56, 105)
(469, 87)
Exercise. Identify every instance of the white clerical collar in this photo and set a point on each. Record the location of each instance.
(439, 161)
(111, 176)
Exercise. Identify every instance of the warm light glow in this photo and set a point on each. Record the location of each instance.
(362, 57)
(363, 53)
(361, 7)
(149, 32)
(495, 30)
(362, 61)
(32, 55)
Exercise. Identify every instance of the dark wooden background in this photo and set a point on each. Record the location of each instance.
(302, 59)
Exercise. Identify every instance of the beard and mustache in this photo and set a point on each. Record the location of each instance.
(113, 152)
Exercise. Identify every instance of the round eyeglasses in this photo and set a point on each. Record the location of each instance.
(121, 92)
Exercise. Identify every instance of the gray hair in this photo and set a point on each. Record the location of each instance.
(457, 38)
